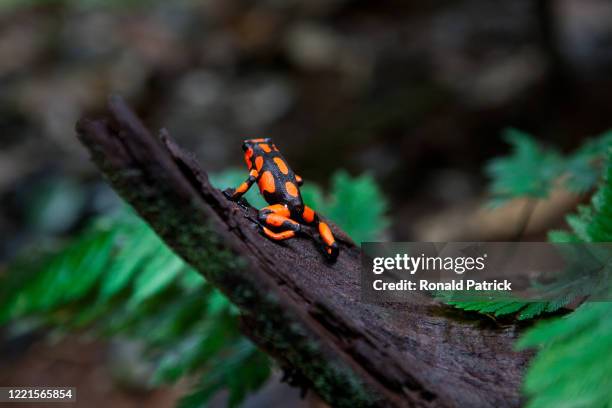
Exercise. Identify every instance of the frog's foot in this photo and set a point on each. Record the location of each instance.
(331, 246)
(332, 251)
(277, 217)
(229, 193)
(242, 202)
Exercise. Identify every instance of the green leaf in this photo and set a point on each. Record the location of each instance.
(574, 363)
(157, 275)
(532, 170)
(592, 223)
(581, 168)
(520, 309)
(599, 228)
(90, 262)
(528, 172)
(135, 248)
(357, 206)
(313, 197)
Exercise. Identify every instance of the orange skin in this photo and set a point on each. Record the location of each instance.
(279, 186)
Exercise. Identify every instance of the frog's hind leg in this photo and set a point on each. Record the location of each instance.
(310, 217)
(277, 217)
(278, 236)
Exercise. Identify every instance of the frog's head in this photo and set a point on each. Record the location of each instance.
(255, 143)
(256, 147)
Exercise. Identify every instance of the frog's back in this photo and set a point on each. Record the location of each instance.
(277, 181)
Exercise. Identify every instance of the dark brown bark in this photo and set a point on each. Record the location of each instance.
(306, 312)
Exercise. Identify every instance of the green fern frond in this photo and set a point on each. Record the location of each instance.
(600, 227)
(583, 167)
(498, 308)
(573, 366)
(592, 223)
(121, 278)
(357, 205)
(528, 172)
(531, 170)
(574, 363)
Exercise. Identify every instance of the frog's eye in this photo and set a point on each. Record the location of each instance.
(245, 146)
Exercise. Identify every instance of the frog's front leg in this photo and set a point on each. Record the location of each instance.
(277, 217)
(235, 194)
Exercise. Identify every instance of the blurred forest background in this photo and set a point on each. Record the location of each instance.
(415, 94)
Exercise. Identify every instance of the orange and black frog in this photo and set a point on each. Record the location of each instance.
(280, 187)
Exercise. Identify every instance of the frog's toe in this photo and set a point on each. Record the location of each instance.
(332, 251)
(229, 193)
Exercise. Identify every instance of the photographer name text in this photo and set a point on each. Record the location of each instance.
(454, 285)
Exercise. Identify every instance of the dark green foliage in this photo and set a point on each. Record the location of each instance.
(585, 274)
(356, 204)
(574, 365)
(528, 172)
(498, 308)
(592, 223)
(118, 278)
(583, 167)
(532, 170)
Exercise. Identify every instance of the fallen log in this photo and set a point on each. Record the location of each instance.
(302, 310)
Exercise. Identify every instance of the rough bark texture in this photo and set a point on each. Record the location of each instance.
(302, 310)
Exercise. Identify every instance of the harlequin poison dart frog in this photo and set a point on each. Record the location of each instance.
(285, 216)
